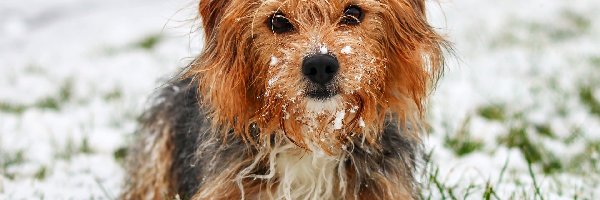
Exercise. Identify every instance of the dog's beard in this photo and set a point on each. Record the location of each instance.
(322, 125)
(322, 118)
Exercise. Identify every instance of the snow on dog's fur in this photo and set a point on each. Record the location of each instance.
(247, 121)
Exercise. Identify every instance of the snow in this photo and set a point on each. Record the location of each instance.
(339, 119)
(272, 81)
(323, 49)
(75, 75)
(274, 61)
(90, 49)
(532, 57)
(346, 50)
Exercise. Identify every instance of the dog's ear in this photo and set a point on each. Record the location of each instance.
(223, 67)
(414, 50)
(211, 12)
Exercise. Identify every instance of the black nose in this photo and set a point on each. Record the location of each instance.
(320, 68)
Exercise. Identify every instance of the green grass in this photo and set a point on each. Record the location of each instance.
(568, 25)
(577, 20)
(489, 192)
(41, 173)
(518, 137)
(572, 25)
(587, 161)
(35, 69)
(113, 95)
(536, 186)
(49, 103)
(586, 96)
(148, 42)
(461, 142)
(85, 147)
(71, 149)
(52, 102)
(494, 112)
(545, 130)
(436, 188)
(12, 108)
(595, 61)
(66, 152)
(8, 160)
(120, 154)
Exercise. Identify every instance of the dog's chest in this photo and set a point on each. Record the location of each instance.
(307, 175)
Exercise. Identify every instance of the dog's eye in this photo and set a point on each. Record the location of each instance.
(352, 15)
(279, 23)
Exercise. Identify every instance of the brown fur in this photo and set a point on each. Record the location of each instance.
(152, 167)
(234, 69)
(395, 59)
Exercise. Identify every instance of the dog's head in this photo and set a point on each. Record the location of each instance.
(318, 71)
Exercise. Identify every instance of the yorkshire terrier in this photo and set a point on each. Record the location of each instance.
(293, 99)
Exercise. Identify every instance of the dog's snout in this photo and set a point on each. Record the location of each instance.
(320, 68)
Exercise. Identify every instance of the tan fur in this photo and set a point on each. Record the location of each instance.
(151, 181)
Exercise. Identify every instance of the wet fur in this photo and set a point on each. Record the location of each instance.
(200, 161)
(233, 124)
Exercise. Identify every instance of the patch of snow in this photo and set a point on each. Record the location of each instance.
(361, 122)
(338, 121)
(274, 61)
(273, 80)
(346, 50)
(323, 49)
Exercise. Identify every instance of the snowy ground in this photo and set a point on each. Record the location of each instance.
(516, 116)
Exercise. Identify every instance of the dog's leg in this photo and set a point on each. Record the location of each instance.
(149, 166)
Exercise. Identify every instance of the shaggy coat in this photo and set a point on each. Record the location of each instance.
(238, 124)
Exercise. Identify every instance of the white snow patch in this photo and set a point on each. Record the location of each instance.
(273, 80)
(339, 118)
(323, 49)
(354, 109)
(274, 61)
(361, 122)
(347, 50)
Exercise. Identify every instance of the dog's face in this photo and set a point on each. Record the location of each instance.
(317, 71)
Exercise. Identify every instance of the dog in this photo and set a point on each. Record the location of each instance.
(293, 99)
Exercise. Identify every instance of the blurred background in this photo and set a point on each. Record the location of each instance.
(516, 116)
